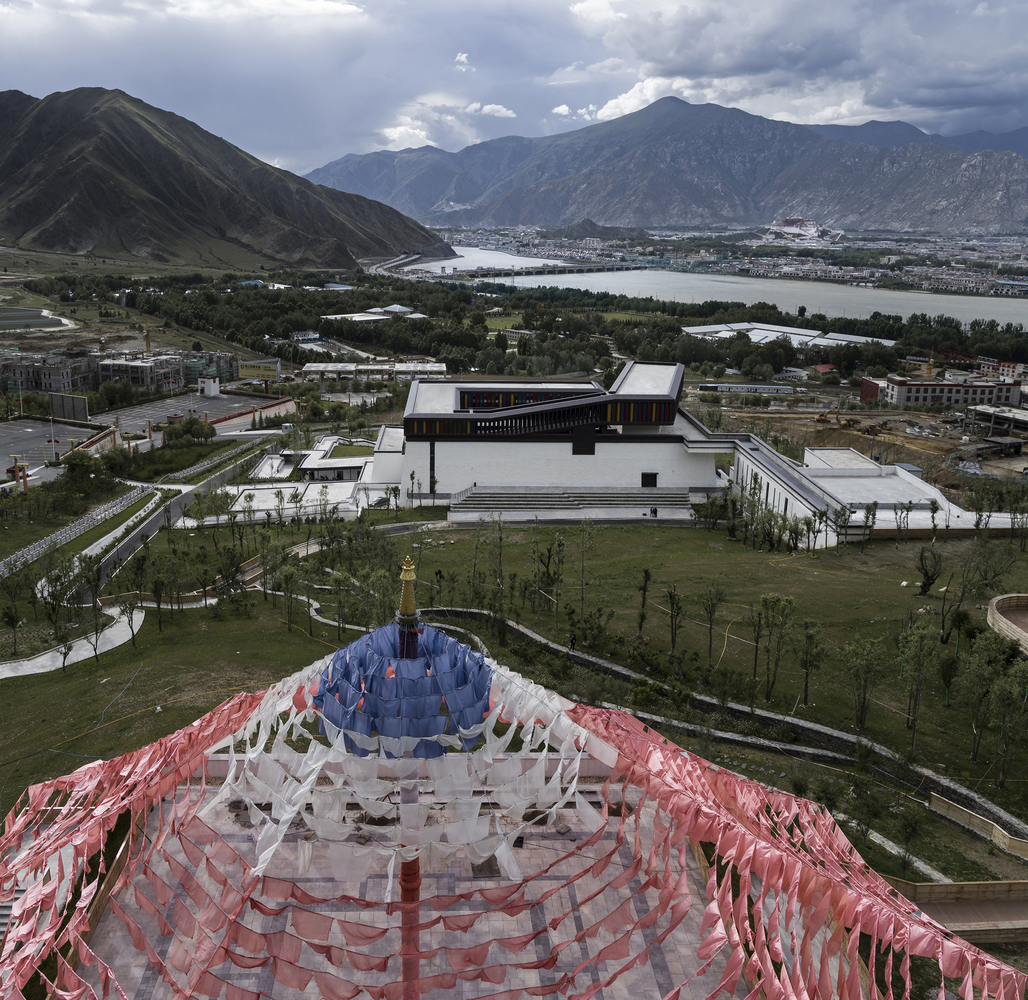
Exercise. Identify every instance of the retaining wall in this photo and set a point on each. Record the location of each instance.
(1008, 602)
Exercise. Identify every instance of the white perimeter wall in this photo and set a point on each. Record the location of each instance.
(388, 468)
(495, 464)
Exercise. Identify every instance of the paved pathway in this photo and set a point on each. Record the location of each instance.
(116, 635)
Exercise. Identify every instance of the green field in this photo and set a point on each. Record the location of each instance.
(351, 450)
(51, 723)
(850, 594)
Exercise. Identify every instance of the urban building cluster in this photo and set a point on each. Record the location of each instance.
(969, 265)
(77, 371)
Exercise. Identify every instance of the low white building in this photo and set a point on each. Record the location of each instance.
(545, 435)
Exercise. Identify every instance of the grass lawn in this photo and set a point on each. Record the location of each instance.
(174, 460)
(852, 595)
(407, 515)
(349, 450)
(51, 723)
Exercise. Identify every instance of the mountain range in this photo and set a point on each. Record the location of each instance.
(97, 171)
(674, 164)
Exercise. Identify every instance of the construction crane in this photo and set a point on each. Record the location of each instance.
(146, 325)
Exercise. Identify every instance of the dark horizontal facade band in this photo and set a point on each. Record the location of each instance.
(543, 418)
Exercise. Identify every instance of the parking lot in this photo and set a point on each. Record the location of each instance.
(133, 418)
(30, 439)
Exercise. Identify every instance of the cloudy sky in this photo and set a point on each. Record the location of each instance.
(303, 82)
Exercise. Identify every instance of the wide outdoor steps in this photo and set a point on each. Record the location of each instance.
(626, 502)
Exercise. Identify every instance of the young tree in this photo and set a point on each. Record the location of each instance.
(64, 648)
(948, 668)
(558, 576)
(288, 582)
(586, 542)
(158, 587)
(755, 620)
(674, 611)
(280, 508)
(12, 620)
(1011, 708)
(128, 604)
(496, 539)
(870, 518)
(841, 517)
(338, 589)
(99, 623)
(779, 612)
(711, 598)
(933, 508)
(810, 652)
(990, 654)
(643, 589)
(865, 666)
(919, 650)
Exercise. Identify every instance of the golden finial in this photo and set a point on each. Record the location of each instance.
(408, 606)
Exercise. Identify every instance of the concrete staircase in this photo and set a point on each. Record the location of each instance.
(556, 502)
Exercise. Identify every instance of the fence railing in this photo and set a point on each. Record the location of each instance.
(32, 552)
(209, 462)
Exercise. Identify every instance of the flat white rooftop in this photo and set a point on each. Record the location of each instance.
(838, 458)
(648, 380)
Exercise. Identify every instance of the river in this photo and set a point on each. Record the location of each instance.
(818, 296)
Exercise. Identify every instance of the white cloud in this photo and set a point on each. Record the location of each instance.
(497, 111)
(461, 62)
(561, 109)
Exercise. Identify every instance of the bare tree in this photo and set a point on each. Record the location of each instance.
(929, 565)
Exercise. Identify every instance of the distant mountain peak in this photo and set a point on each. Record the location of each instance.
(99, 171)
(673, 163)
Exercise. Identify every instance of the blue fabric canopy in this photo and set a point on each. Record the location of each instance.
(367, 688)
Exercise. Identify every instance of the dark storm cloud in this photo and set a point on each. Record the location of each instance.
(302, 82)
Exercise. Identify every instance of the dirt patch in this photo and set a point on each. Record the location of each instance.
(84, 337)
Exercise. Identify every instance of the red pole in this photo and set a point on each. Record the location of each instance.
(410, 892)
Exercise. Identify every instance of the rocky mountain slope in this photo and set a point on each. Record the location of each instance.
(677, 164)
(98, 171)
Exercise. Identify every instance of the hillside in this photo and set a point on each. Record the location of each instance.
(97, 171)
(677, 164)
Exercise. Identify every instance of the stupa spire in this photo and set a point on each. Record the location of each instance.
(407, 615)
